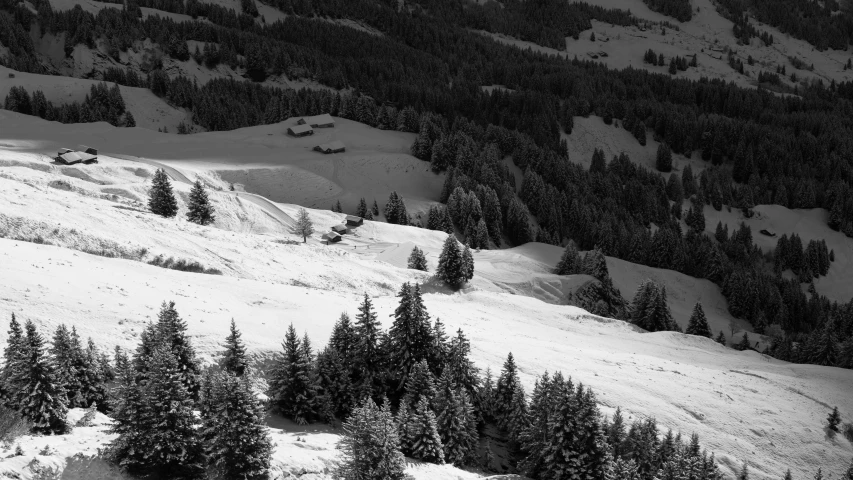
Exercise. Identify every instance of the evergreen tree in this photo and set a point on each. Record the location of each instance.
(426, 442)
(744, 343)
(833, 420)
(410, 336)
(362, 209)
(419, 385)
(171, 331)
(744, 472)
(457, 425)
(570, 262)
(721, 339)
(343, 337)
(468, 262)
(40, 397)
(507, 384)
(157, 428)
(66, 361)
(236, 441)
(234, 357)
(14, 363)
(788, 475)
(698, 324)
(161, 200)
(335, 382)
(417, 260)
(367, 361)
(395, 210)
(129, 121)
(375, 208)
(451, 267)
(200, 210)
(370, 445)
(649, 309)
(293, 389)
(304, 227)
(663, 161)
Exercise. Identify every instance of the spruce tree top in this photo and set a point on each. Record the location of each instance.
(161, 199)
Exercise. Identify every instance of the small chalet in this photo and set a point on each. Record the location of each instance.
(90, 150)
(318, 121)
(300, 130)
(353, 221)
(332, 147)
(72, 158)
(340, 229)
(332, 237)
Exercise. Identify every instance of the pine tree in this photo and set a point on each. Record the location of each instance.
(234, 357)
(66, 361)
(833, 420)
(14, 363)
(426, 442)
(419, 385)
(200, 210)
(417, 260)
(236, 440)
(161, 200)
(367, 361)
(744, 343)
(304, 227)
(335, 381)
(171, 331)
(451, 267)
(819, 474)
(468, 262)
(788, 475)
(170, 443)
(507, 384)
(457, 426)
(744, 472)
(40, 397)
(410, 335)
(698, 324)
(570, 262)
(721, 339)
(293, 390)
(649, 309)
(129, 121)
(375, 208)
(370, 445)
(362, 210)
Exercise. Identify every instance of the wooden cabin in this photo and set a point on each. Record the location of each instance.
(300, 131)
(340, 229)
(331, 237)
(318, 121)
(354, 221)
(332, 147)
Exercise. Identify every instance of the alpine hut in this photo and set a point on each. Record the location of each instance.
(332, 147)
(300, 130)
(331, 237)
(89, 150)
(318, 121)
(340, 229)
(354, 221)
(72, 158)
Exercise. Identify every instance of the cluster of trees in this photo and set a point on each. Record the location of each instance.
(102, 104)
(676, 63)
(42, 382)
(769, 77)
(159, 389)
(677, 9)
(823, 25)
(809, 262)
(435, 403)
(162, 201)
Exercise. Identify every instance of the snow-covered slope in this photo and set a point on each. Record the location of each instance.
(744, 406)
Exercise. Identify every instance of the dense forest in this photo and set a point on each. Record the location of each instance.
(677, 9)
(425, 74)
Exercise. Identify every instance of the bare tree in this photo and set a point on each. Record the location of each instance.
(304, 226)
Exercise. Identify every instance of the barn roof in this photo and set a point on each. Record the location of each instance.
(331, 236)
(333, 146)
(322, 119)
(353, 218)
(339, 227)
(297, 129)
(76, 157)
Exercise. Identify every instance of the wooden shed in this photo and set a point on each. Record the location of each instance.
(354, 221)
(332, 237)
(318, 121)
(72, 158)
(300, 130)
(89, 150)
(340, 229)
(332, 147)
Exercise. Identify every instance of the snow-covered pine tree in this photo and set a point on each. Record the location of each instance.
(335, 383)
(93, 375)
(375, 208)
(505, 390)
(370, 445)
(40, 397)
(170, 442)
(171, 330)
(337, 208)
(486, 397)
(457, 427)
(66, 360)
(570, 262)
(516, 419)
(461, 369)
(426, 442)
(744, 472)
(825, 350)
(404, 427)
(304, 228)
(237, 442)
(721, 339)
(420, 384)
(410, 335)
(451, 267)
(234, 356)
(833, 420)
(533, 438)
(744, 343)
(468, 261)
(343, 337)
(439, 348)
(161, 199)
(200, 210)
(417, 260)
(595, 264)
(292, 387)
(367, 358)
(698, 324)
(14, 363)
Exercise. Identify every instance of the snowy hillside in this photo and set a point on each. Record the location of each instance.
(744, 406)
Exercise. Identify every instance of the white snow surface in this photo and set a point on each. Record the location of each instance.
(744, 406)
